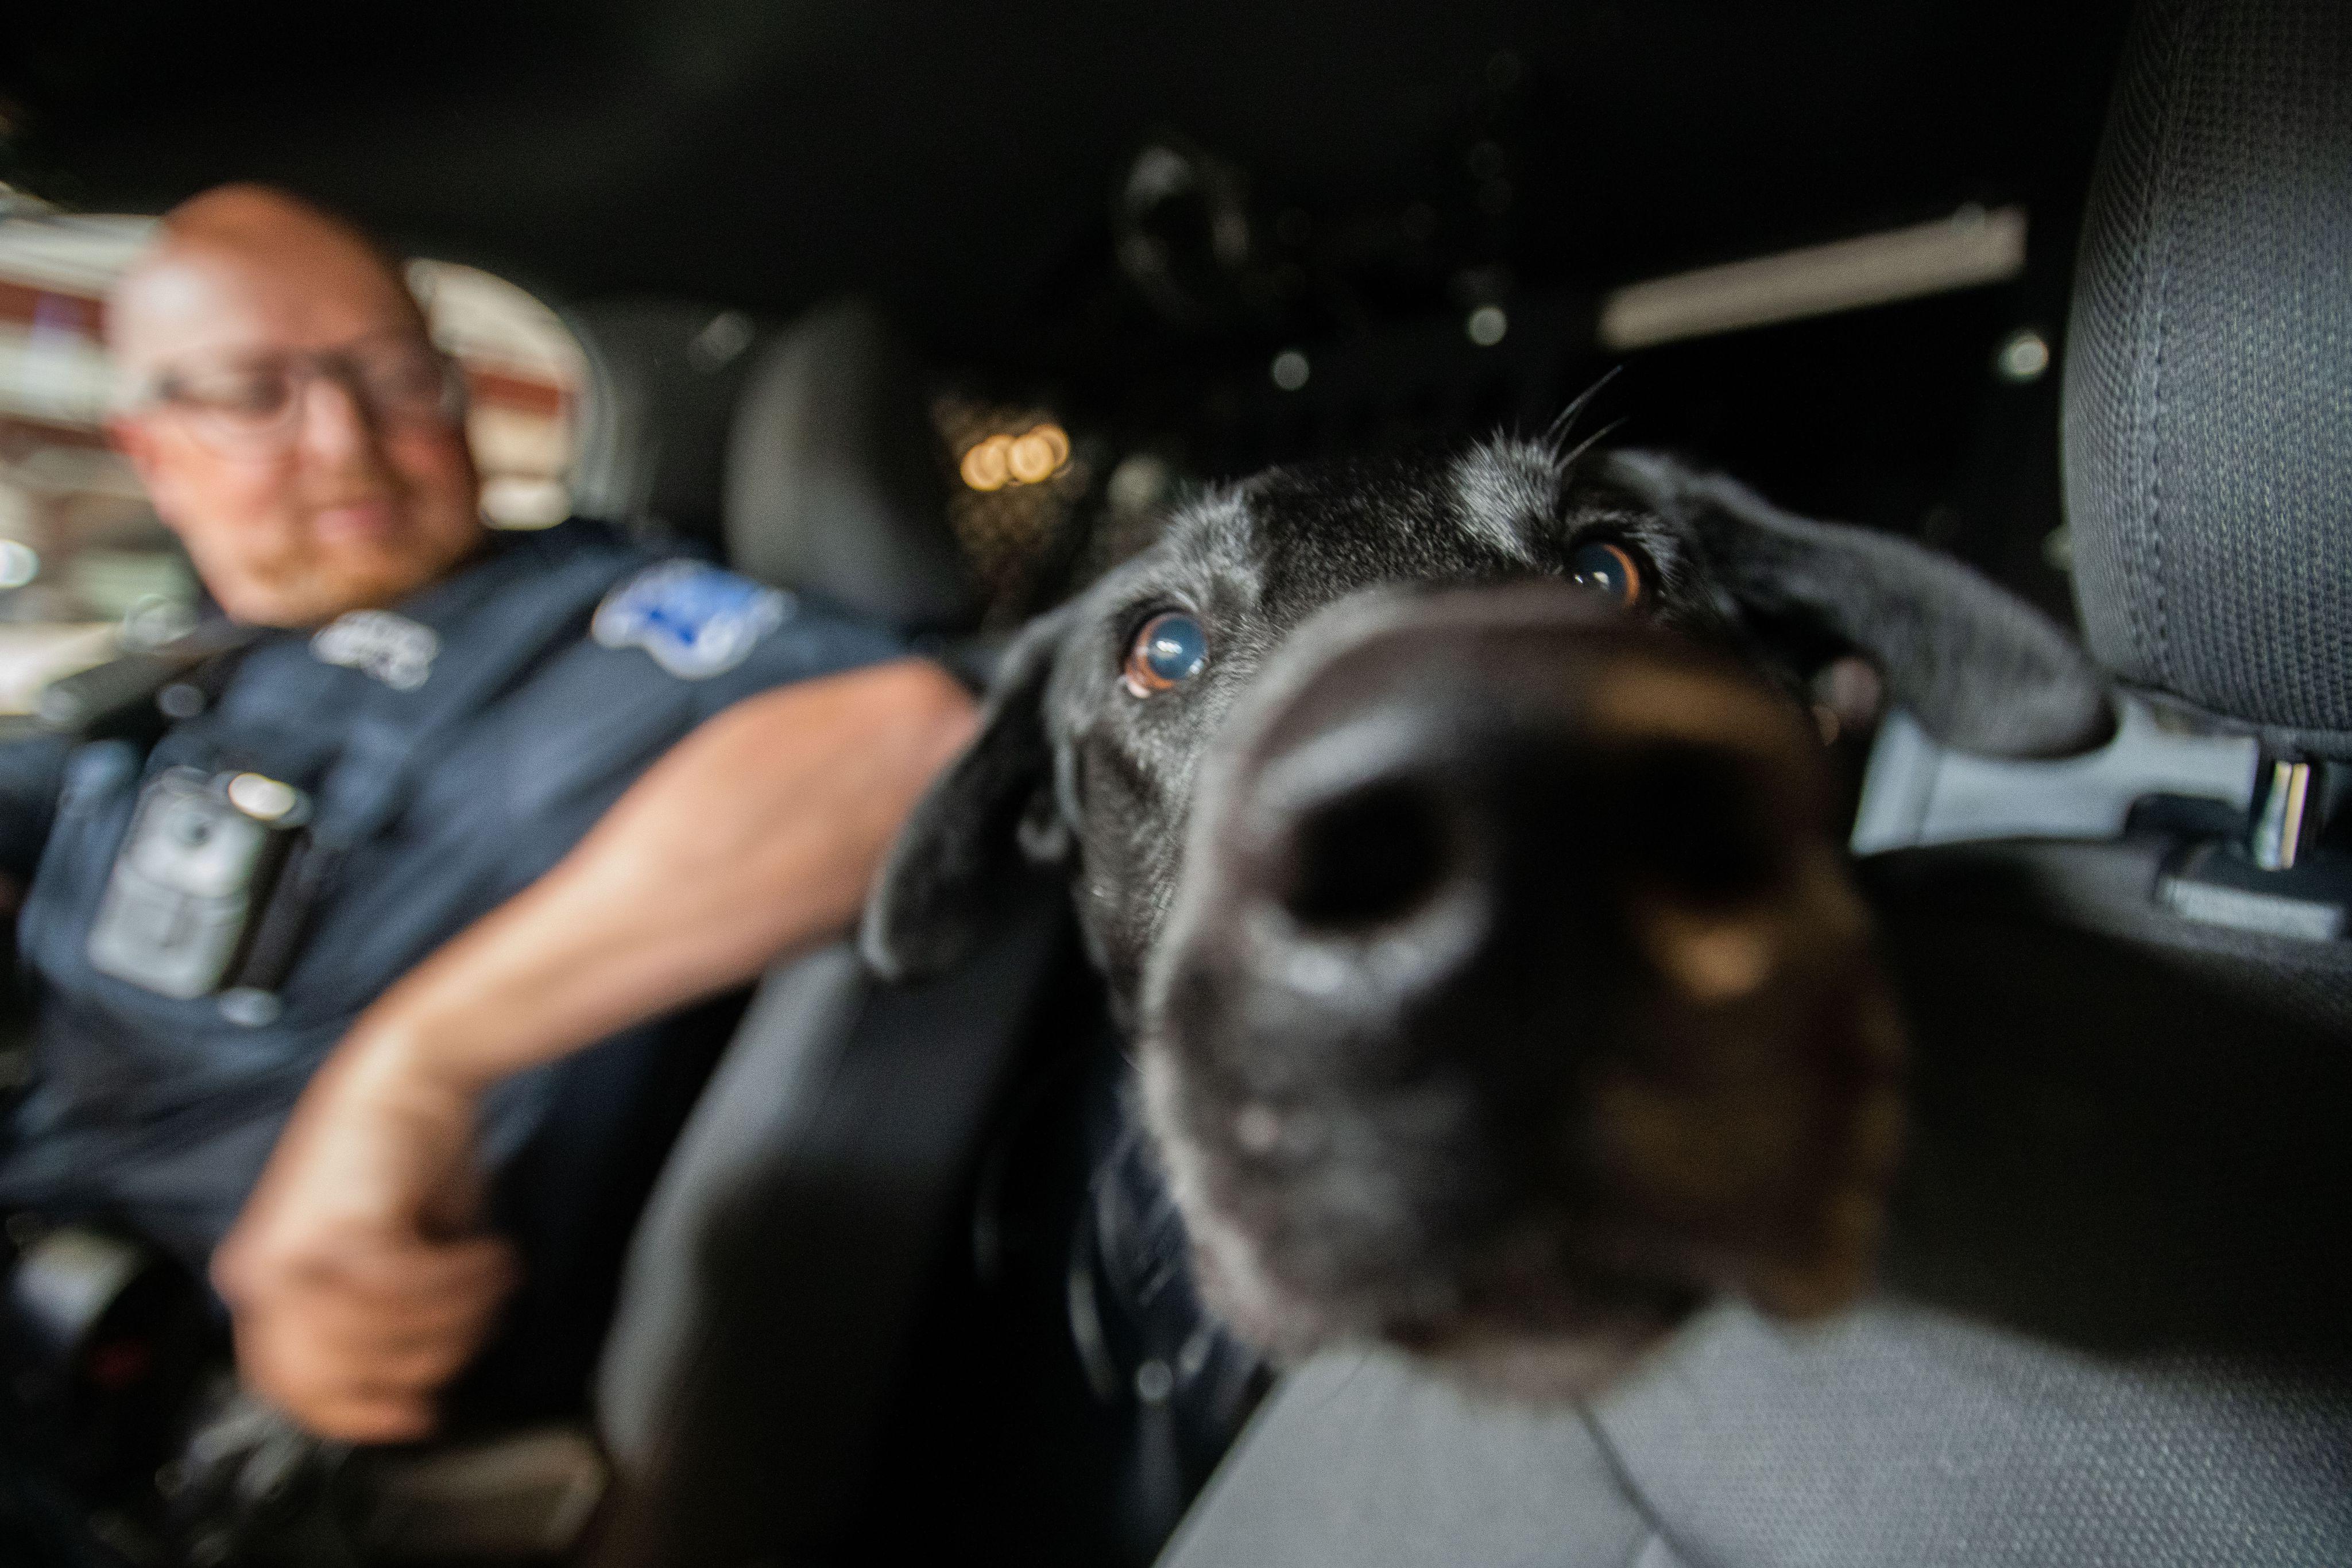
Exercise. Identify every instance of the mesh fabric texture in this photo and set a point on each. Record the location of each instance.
(2209, 388)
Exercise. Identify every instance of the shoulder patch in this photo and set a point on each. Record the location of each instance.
(696, 620)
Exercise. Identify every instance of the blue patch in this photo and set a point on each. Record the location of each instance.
(694, 619)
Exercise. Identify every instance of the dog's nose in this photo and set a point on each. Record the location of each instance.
(1432, 793)
(1370, 851)
(1436, 806)
(1513, 976)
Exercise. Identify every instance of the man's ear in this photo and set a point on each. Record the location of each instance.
(129, 435)
(966, 838)
(1983, 670)
(135, 438)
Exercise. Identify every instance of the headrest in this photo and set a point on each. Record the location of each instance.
(836, 480)
(666, 373)
(2208, 381)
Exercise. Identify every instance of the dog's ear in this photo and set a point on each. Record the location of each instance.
(965, 839)
(1983, 670)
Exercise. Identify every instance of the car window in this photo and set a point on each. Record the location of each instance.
(525, 373)
(86, 570)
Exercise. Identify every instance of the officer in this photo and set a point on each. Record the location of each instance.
(355, 872)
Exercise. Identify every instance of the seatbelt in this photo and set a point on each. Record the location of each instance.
(133, 697)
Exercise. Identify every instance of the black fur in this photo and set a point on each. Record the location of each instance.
(1080, 772)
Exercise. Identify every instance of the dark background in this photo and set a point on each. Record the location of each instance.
(1391, 165)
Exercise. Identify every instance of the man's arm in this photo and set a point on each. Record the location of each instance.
(356, 1276)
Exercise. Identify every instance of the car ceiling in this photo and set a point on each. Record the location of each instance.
(960, 160)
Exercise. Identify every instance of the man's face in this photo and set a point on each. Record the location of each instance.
(291, 422)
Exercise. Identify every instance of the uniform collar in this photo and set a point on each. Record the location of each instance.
(504, 556)
(400, 646)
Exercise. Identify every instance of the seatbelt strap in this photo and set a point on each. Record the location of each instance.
(120, 699)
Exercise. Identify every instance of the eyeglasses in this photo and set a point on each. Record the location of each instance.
(257, 400)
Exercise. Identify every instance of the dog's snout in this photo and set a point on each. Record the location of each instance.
(1694, 812)
(1511, 982)
(1493, 779)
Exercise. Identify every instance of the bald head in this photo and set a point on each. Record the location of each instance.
(245, 260)
(287, 410)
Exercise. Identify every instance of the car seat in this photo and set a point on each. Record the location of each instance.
(780, 1267)
(867, 1268)
(803, 457)
(2111, 1325)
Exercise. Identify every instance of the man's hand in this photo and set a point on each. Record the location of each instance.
(356, 1275)
(356, 1285)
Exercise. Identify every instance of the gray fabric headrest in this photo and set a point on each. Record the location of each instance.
(836, 480)
(2209, 383)
(654, 432)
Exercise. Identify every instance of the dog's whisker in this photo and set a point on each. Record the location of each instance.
(1565, 421)
(1567, 459)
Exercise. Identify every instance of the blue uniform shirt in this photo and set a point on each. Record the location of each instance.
(457, 748)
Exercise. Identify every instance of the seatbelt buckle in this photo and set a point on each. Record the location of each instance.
(1918, 791)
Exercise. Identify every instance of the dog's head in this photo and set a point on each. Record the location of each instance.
(1449, 833)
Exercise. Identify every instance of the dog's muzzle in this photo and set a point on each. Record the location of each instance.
(1514, 984)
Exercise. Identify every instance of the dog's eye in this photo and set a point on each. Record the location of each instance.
(1610, 571)
(1169, 648)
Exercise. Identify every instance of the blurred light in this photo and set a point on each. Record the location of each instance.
(1486, 326)
(989, 465)
(1139, 483)
(1037, 454)
(1971, 247)
(264, 799)
(1289, 370)
(2023, 357)
(1032, 457)
(714, 348)
(18, 564)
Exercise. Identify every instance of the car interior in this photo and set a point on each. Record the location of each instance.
(927, 312)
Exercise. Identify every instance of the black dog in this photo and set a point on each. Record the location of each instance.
(1451, 836)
